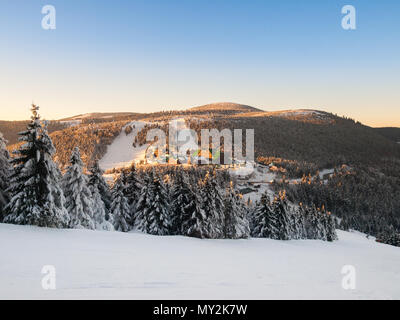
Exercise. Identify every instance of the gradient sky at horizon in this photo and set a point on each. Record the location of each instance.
(145, 56)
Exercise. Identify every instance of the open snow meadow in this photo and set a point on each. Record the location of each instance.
(116, 265)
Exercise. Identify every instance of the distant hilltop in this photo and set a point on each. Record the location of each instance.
(225, 106)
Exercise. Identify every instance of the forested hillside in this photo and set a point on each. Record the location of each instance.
(315, 138)
(323, 144)
(390, 133)
(10, 129)
(92, 139)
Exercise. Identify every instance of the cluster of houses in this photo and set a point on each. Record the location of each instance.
(191, 157)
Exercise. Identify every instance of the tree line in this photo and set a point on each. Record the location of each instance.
(364, 198)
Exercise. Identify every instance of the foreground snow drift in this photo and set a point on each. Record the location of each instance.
(95, 264)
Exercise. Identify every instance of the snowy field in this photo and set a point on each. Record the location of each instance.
(113, 265)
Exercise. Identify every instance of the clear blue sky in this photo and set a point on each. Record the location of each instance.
(144, 56)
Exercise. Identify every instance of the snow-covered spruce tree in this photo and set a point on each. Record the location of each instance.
(236, 223)
(251, 208)
(265, 220)
(120, 209)
(183, 205)
(132, 190)
(195, 223)
(5, 174)
(36, 196)
(320, 218)
(306, 211)
(331, 228)
(299, 221)
(212, 207)
(96, 179)
(141, 208)
(101, 217)
(219, 203)
(296, 222)
(314, 227)
(152, 210)
(319, 224)
(328, 222)
(281, 210)
(243, 218)
(389, 236)
(78, 198)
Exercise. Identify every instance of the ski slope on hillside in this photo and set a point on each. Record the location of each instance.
(114, 265)
(121, 153)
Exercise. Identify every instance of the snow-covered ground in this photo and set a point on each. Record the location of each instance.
(261, 177)
(121, 152)
(324, 172)
(100, 265)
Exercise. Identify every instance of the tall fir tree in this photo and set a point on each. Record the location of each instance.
(251, 208)
(97, 187)
(78, 198)
(195, 223)
(265, 220)
(132, 191)
(328, 222)
(141, 208)
(183, 204)
(332, 235)
(236, 222)
(120, 209)
(314, 226)
(216, 182)
(212, 207)
(296, 223)
(36, 196)
(281, 211)
(153, 207)
(96, 179)
(299, 222)
(5, 174)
